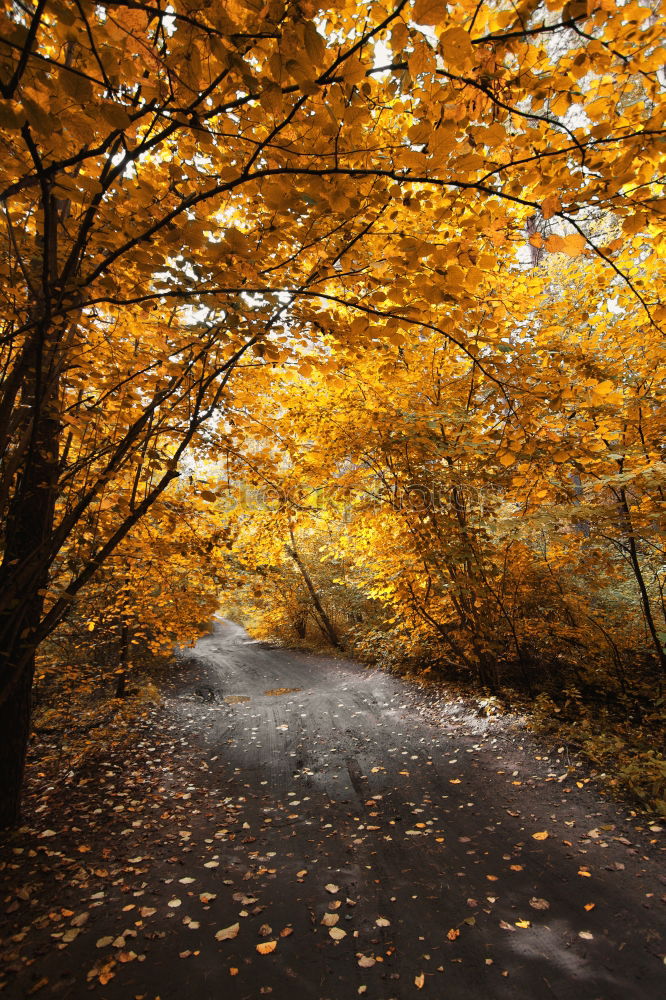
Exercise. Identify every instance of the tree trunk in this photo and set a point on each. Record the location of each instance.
(24, 577)
(625, 513)
(121, 672)
(15, 715)
(331, 634)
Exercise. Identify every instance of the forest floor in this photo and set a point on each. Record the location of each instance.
(286, 823)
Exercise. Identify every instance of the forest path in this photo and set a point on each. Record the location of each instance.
(325, 785)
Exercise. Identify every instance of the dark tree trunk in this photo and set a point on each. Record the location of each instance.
(15, 715)
(24, 577)
(121, 673)
(640, 580)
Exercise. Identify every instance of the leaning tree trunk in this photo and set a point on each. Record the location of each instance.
(327, 624)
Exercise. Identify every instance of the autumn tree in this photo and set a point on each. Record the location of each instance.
(184, 187)
(488, 526)
(159, 588)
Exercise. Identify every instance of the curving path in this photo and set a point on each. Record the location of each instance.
(304, 828)
(428, 831)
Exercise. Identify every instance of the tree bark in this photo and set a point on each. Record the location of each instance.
(24, 576)
(15, 714)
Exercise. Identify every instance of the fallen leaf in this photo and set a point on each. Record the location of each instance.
(266, 947)
(332, 888)
(337, 933)
(227, 932)
(40, 984)
(539, 904)
(541, 835)
(382, 922)
(330, 919)
(419, 981)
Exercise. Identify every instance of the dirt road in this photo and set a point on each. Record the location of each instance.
(370, 852)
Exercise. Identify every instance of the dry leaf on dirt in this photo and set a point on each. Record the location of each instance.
(227, 933)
